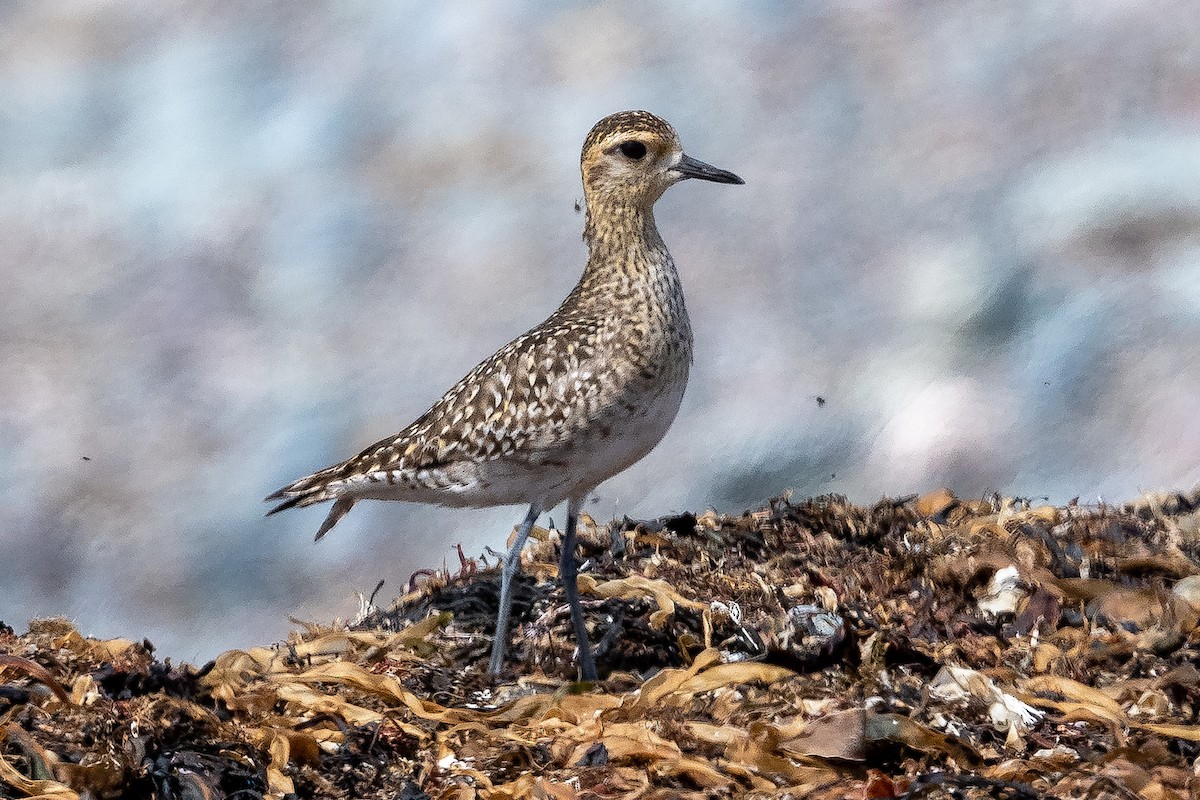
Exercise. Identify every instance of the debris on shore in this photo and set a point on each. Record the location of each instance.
(920, 647)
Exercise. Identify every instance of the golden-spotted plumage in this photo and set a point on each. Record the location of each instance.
(571, 402)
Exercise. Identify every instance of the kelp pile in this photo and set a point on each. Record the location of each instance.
(920, 647)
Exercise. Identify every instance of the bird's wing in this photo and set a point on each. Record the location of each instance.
(518, 401)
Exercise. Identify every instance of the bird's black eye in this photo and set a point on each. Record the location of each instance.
(633, 149)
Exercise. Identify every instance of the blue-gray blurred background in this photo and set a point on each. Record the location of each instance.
(240, 241)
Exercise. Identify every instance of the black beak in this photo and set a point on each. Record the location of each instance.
(690, 167)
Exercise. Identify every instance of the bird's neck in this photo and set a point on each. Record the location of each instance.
(624, 246)
(630, 279)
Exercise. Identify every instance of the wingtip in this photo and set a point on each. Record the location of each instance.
(341, 507)
(285, 505)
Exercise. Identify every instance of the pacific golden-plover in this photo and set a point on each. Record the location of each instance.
(575, 400)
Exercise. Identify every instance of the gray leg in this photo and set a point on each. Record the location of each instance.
(512, 565)
(568, 569)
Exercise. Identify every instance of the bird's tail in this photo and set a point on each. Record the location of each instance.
(315, 488)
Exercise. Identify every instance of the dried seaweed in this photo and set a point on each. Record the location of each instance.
(922, 647)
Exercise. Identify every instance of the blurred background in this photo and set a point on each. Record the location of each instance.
(243, 241)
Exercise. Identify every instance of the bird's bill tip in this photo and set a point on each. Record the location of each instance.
(690, 167)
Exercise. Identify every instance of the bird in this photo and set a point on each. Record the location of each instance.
(571, 402)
